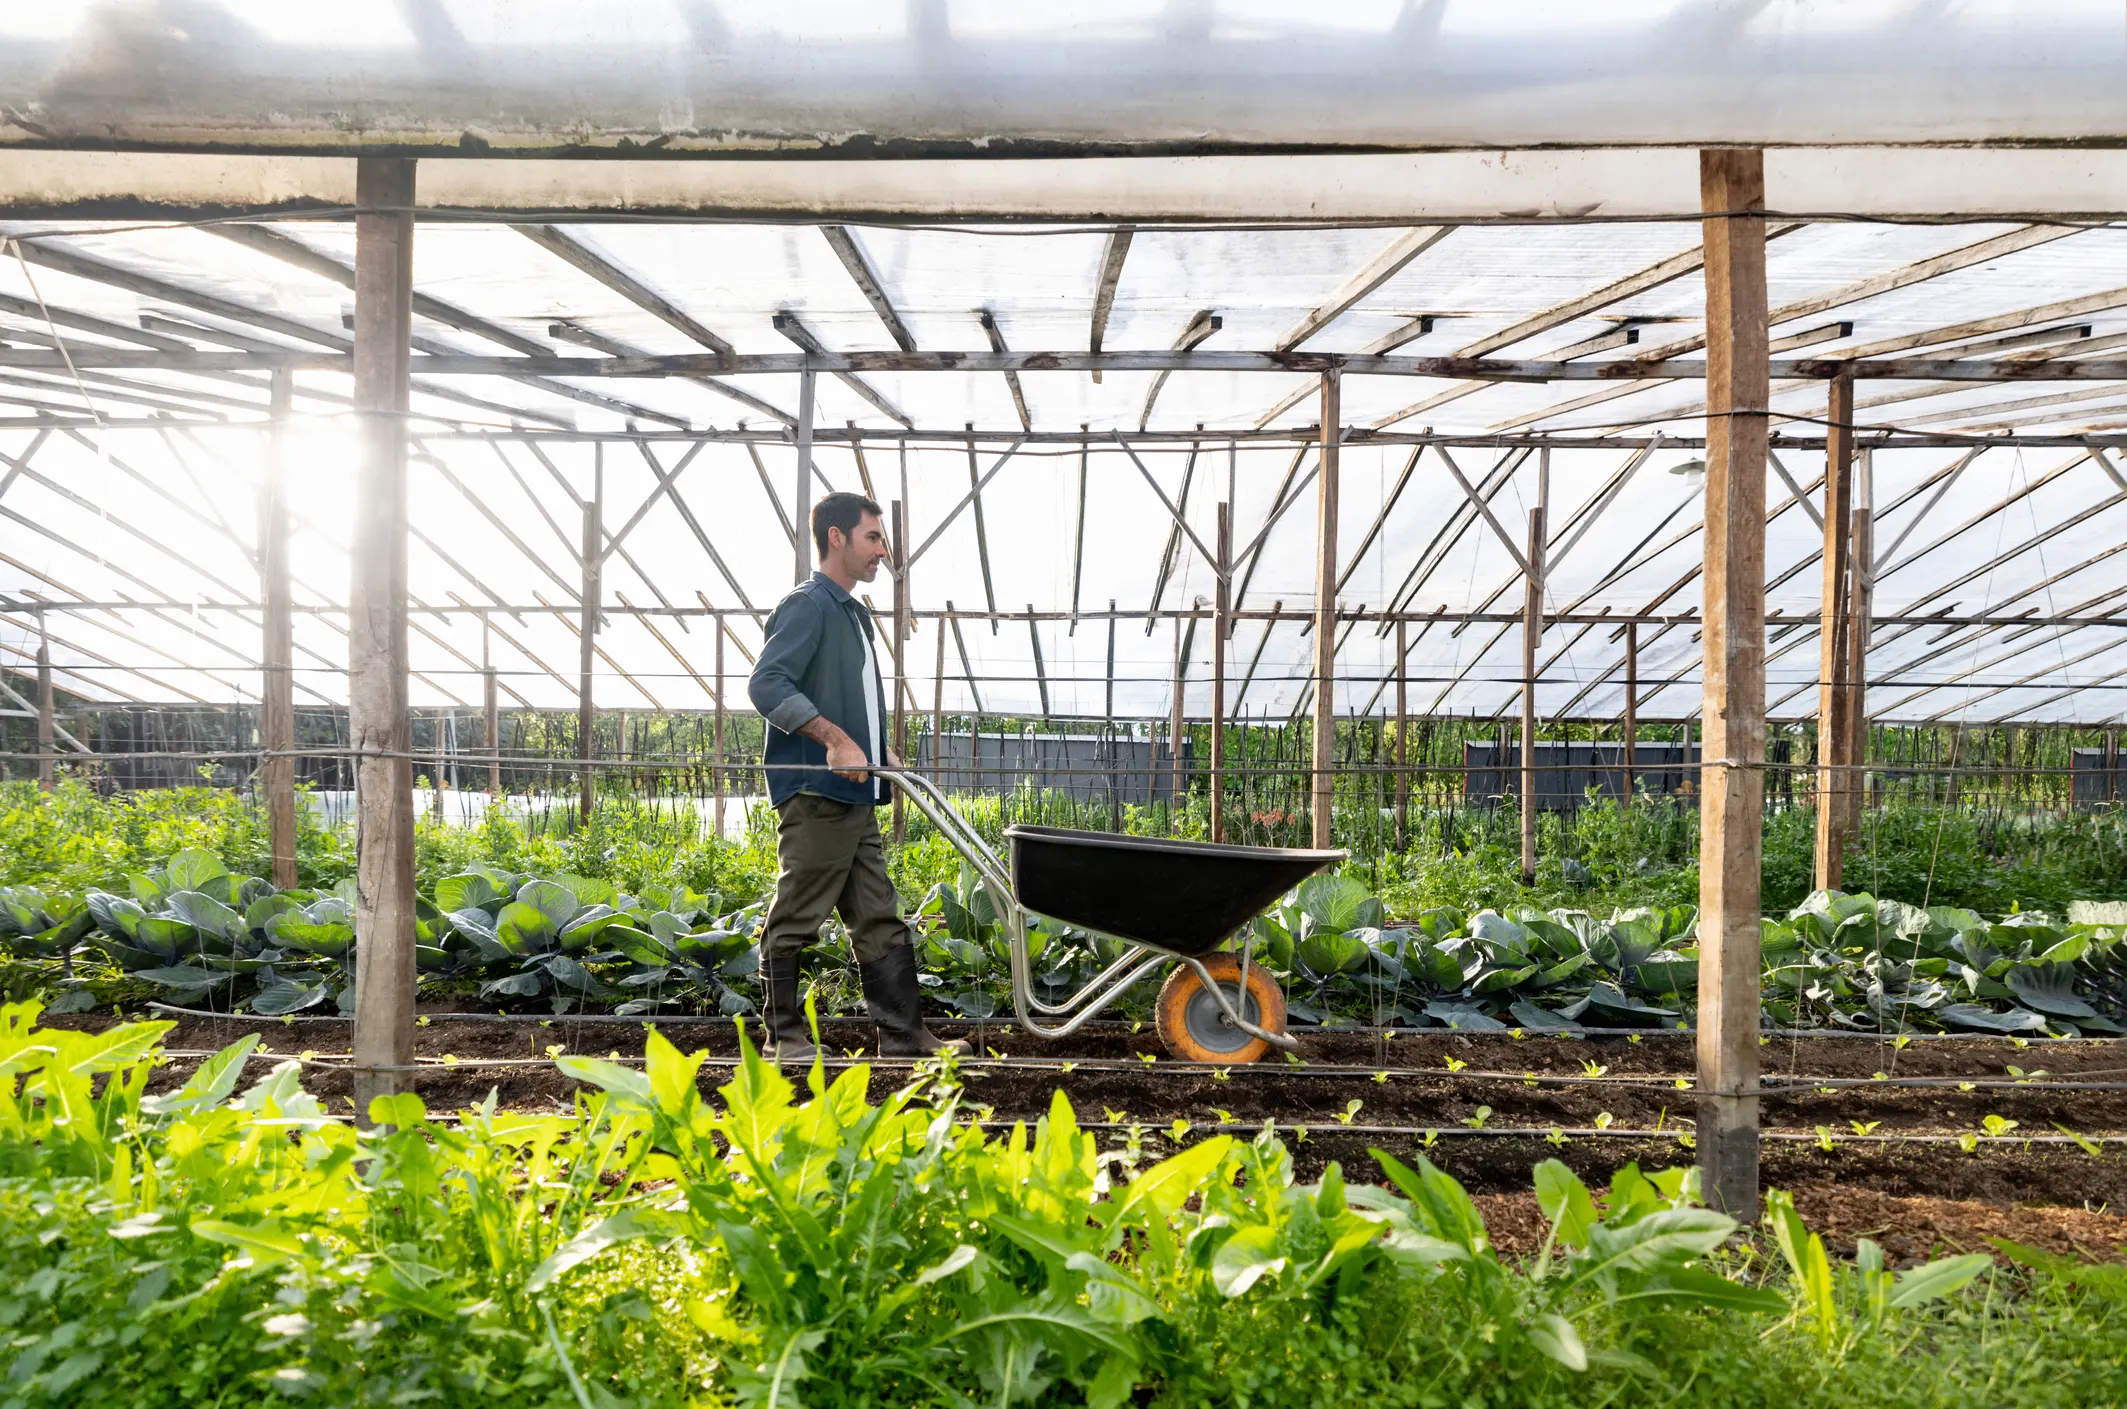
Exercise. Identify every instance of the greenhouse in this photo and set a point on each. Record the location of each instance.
(1465, 590)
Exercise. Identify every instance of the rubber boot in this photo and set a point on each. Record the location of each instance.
(784, 1035)
(894, 999)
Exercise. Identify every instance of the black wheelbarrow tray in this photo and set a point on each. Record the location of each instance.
(1168, 902)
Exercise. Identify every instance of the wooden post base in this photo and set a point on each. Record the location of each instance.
(1728, 1155)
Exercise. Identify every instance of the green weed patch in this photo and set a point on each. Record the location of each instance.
(800, 1245)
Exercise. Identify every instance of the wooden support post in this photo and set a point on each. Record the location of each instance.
(938, 714)
(1326, 500)
(491, 730)
(1632, 708)
(906, 698)
(47, 714)
(1078, 540)
(1957, 753)
(1732, 779)
(437, 723)
(380, 728)
(277, 648)
(900, 564)
(982, 553)
(1857, 641)
(1532, 635)
(490, 714)
(1176, 721)
(586, 636)
(1221, 608)
(1781, 754)
(1834, 685)
(1109, 709)
(716, 627)
(1152, 754)
(1403, 726)
(801, 506)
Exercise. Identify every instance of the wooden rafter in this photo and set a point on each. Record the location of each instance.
(846, 249)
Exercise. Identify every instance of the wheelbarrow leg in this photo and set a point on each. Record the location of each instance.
(1089, 1001)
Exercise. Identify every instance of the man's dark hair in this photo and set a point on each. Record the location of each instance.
(843, 511)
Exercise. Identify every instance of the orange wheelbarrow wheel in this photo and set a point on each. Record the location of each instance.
(1191, 1026)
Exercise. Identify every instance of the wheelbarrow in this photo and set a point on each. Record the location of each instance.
(1167, 902)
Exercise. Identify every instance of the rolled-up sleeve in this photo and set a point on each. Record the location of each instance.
(793, 637)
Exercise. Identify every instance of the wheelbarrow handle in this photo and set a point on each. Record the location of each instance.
(957, 831)
(1134, 964)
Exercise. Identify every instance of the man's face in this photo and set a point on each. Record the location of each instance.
(860, 552)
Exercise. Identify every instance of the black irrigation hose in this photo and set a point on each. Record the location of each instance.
(1425, 1135)
(1118, 1024)
(1420, 1134)
(1178, 1070)
(1947, 1082)
(1548, 1132)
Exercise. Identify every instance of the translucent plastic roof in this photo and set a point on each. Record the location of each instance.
(116, 506)
(970, 75)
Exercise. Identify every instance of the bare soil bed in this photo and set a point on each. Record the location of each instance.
(1909, 1229)
(1595, 1102)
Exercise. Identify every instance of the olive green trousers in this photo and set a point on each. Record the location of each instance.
(829, 857)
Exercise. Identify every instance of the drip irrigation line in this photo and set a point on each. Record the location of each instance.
(991, 1066)
(1547, 1132)
(1428, 1133)
(502, 1019)
(1956, 1083)
(1119, 1024)
(1334, 1127)
(1179, 1070)
(1421, 1135)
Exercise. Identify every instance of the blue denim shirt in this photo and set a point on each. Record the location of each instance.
(812, 665)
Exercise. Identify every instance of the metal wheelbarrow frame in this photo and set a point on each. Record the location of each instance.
(1142, 955)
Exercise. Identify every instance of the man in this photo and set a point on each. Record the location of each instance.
(817, 685)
